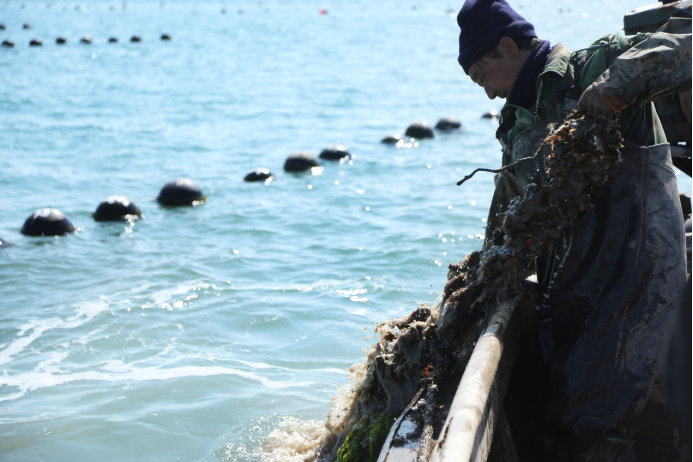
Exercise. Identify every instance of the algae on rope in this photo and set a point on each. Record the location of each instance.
(580, 156)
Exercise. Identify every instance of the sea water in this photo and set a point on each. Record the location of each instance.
(222, 332)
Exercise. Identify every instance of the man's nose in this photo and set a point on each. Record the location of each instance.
(490, 92)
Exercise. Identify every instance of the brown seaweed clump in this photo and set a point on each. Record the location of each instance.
(580, 156)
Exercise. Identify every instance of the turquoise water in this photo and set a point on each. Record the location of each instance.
(195, 333)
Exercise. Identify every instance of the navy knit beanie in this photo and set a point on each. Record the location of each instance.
(483, 23)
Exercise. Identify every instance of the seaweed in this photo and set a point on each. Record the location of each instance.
(580, 156)
(364, 442)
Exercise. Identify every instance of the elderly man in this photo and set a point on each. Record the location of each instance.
(610, 284)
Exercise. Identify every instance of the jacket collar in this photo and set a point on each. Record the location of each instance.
(515, 119)
(558, 61)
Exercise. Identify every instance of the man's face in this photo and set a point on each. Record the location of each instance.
(497, 74)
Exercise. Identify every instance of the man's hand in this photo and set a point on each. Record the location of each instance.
(597, 100)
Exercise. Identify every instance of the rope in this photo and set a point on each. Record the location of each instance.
(499, 170)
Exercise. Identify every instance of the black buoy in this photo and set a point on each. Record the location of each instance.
(47, 222)
(86, 40)
(448, 124)
(165, 37)
(181, 191)
(490, 115)
(113, 40)
(392, 139)
(36, 42)
(4, 244)
(419, 130)
(300, 162)
(260, 174)
(135, 39)
(2, 26)
(61, 40)
(26, 26)
(8, 43)
(117, 208)
(337, 152)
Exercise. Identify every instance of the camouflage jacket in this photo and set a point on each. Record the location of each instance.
(636, 68)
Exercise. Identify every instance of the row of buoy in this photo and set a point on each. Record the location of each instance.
(26, 25)
(179, 192)
(87, 40)
(302, 161)
(52, 222)
(422, 131)
(185, 192)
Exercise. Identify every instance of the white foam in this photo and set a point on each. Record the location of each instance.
(16, 347)
(84, 339)
(358, 311)
(25, 327)
(332, 370)
(116, 372)
(257, 365)
(89, 310)
(294, 441)
(55, 357)
(167, 296)
(350, 293)
(13, 396)
(35, 329)
(115, 365)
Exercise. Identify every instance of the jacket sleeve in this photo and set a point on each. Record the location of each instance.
(657, 66)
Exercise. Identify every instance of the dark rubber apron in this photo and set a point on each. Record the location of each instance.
(610, 296)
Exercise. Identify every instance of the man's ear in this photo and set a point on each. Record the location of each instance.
(508, 47)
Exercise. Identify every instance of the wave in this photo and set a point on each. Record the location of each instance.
(34, 380)
(84, 313)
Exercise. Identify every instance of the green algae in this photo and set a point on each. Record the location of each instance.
(365, 440)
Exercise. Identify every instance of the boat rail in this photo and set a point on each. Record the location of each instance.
(476, 415)
(477, 409)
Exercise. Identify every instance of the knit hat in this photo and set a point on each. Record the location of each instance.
(483, 23)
